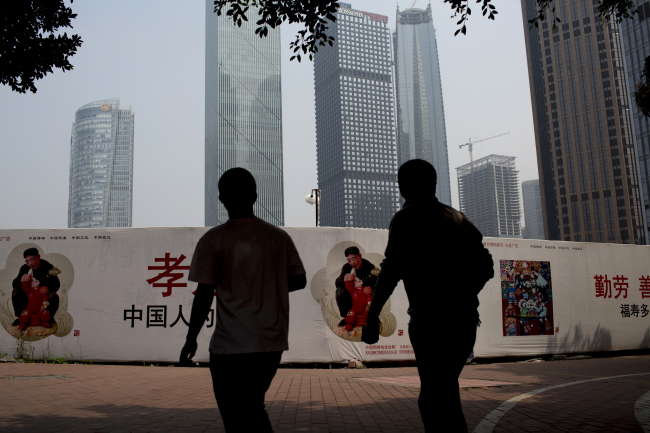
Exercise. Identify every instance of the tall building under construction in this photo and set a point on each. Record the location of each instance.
(489, 195)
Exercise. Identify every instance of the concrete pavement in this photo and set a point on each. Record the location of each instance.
(606, 394)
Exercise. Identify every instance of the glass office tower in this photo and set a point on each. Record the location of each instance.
(532, 209)
(243, 113)
(101, 166)
(420, 113)
(583, 130)
(636, 47)
(355, 135)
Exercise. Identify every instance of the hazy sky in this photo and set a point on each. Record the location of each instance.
(152, 55)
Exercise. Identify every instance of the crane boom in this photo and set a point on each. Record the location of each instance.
(470, 143)
(483, 139)
(412, 6)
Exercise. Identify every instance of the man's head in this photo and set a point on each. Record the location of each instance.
(32, 258)
(237, 189)
(354, 257)
(416, 178)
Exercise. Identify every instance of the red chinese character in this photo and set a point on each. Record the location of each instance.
(644, 286)
(400, 332)
(603, 286)
(76, 332)
(168, 267)
(621, 286)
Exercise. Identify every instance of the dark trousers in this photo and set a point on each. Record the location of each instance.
(440, 359)
(240, 382)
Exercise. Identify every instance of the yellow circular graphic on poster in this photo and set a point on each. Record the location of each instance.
(34, 289)
(344, 291)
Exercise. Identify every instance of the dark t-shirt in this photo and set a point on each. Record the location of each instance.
(440, 256)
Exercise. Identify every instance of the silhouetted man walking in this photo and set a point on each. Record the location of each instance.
(440, 256)
(252, 266)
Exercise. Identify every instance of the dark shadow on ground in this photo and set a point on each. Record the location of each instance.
(387, 414)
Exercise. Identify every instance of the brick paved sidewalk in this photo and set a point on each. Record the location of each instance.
(96, 398)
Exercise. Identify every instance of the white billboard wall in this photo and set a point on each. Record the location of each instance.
(124, 296)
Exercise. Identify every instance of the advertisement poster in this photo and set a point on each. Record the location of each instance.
(526, 290)
(344, 290)
(122, 295)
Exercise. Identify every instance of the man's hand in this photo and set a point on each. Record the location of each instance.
(370, 332)
(348, 277)
(203, 299)
(26, 278)
(187, 353)
(44, 290)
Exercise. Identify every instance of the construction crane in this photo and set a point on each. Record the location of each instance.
(412, 6)
(469, 144)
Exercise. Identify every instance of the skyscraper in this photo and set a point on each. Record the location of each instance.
(355, 133)
(101, 166)
(532, 209)
(585, 153)
(420, 112)
(636, 46)
(243, 114)
(489, 196)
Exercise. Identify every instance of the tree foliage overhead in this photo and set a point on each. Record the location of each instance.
(607, 9)
(29, 48)
(314, 14)
(461, 7)
(642, 93)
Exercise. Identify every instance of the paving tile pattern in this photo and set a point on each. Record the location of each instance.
(126, 399)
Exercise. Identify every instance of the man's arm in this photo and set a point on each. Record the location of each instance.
(483, 265)
(339, 281)
(200, 309)
(53, 284)
(388, 278)
(17, 284)
(295, 269)
(297, 282)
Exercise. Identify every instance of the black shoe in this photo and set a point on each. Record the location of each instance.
(16, 322)
(342, 322)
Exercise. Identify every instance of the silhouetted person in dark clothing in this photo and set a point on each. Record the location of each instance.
(252, 266)
(440, 256)
(38, 269)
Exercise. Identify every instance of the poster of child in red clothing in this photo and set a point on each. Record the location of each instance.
(36, 313)
(526, 298)
(33, 293)
(344, 290)
(361, 297)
